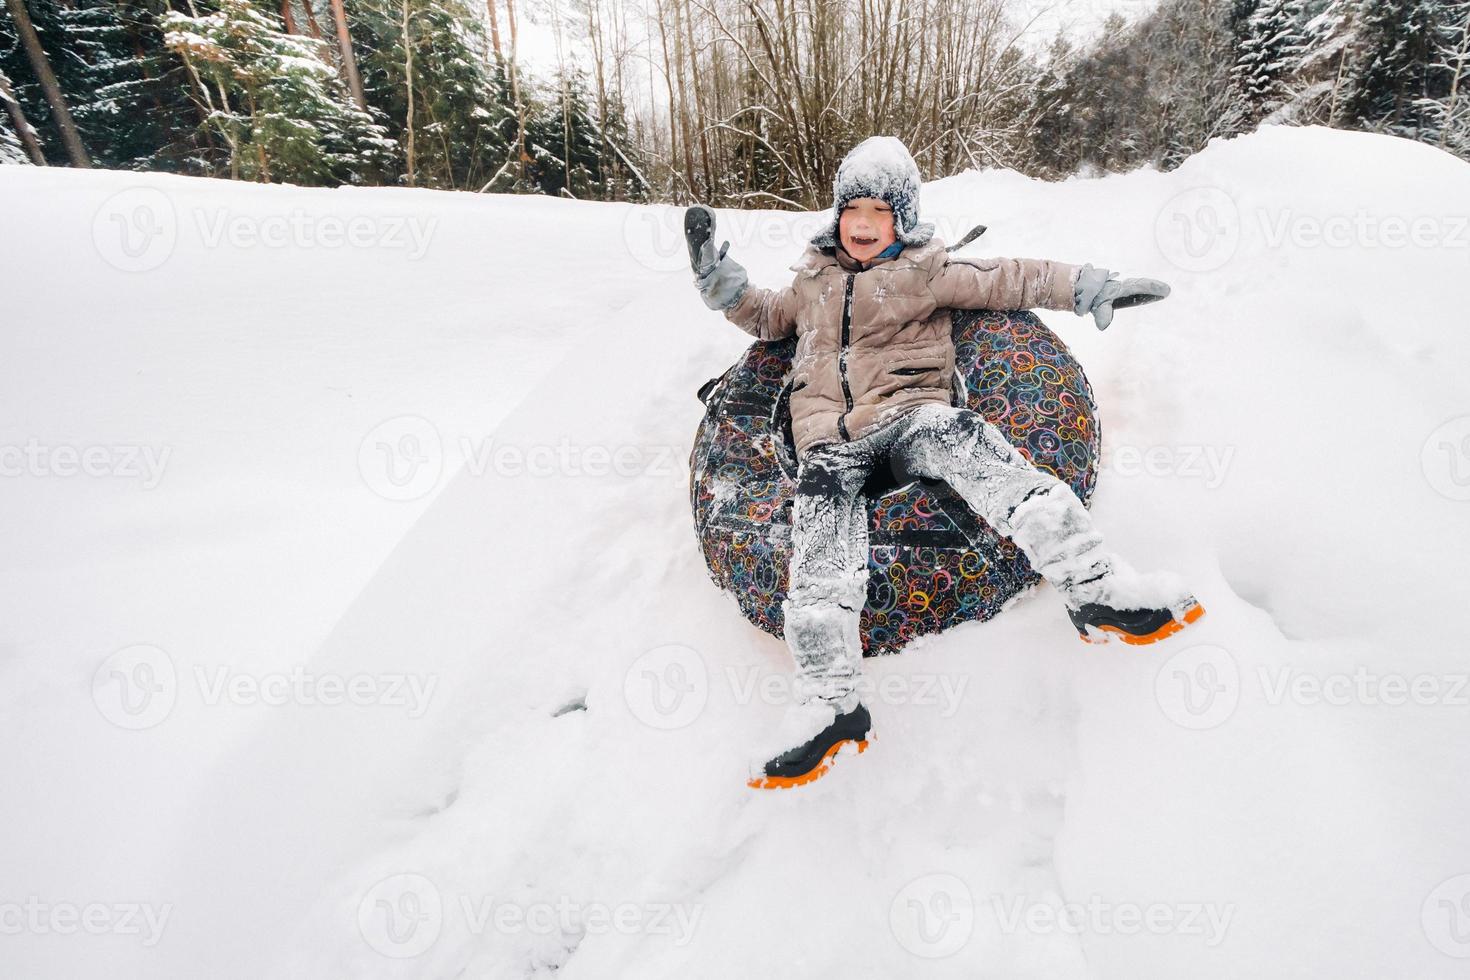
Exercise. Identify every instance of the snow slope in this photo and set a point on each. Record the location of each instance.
(446, 473)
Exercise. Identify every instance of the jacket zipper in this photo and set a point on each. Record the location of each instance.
(842, 357)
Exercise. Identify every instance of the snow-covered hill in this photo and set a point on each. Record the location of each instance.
(352, 623)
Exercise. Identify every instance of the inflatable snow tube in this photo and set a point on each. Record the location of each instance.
(932, 563)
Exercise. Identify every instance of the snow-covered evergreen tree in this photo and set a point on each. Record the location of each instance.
(425, 64)
(144, 112)
(11, 148)
(1053, 153)
(1268, 55)
(1396, 68)
(1450, 113)
(1330, 40)
(274, 100)
(127, 96)
(1189, 50)
(570, 157)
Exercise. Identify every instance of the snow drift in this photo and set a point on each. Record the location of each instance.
(353, 622)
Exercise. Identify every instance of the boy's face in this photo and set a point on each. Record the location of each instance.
(866, 227)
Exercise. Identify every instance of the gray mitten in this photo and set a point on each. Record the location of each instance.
(1098, 293)
(721, 280)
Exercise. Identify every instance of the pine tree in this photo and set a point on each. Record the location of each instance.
(38, 87)
(130, 98)
(274, 100)
(17, 139)
(1190, 52)
(144, 111)
(1330, 38)
(1054, 150)
(1396, 68)
(10, 149)
(566, 145)
(1449, 113)
(623, 174)
(1268, 55)
(424, 63)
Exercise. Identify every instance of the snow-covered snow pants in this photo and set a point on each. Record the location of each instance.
(829, 536)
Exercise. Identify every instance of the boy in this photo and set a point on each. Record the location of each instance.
(872, 381)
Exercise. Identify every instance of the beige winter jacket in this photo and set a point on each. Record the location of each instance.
(874, 339)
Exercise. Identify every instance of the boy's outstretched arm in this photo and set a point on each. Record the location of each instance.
(1005, 284)
(1024, 284)
(767, 314)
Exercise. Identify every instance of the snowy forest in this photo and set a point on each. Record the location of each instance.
(731, 102)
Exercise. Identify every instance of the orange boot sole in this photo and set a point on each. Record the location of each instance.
(1163, 632)
(817, 772)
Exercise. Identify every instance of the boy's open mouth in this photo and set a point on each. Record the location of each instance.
(863, 242)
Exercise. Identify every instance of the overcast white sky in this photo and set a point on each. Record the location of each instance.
(1079, 18)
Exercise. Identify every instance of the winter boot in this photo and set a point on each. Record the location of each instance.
(1095, 621)
(1112, 599)
(1105, 596)
(815, 733)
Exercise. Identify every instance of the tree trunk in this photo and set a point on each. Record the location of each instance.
(699, 112)
(522, 157)
(18, 120)
(349, 60)
(315, 28)
(494, 30)
(288, 18)
(607, 164)
(32, 43)
(1460, 54)
(408, 77)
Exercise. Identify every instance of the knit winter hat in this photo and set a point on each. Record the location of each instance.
(881, 167)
